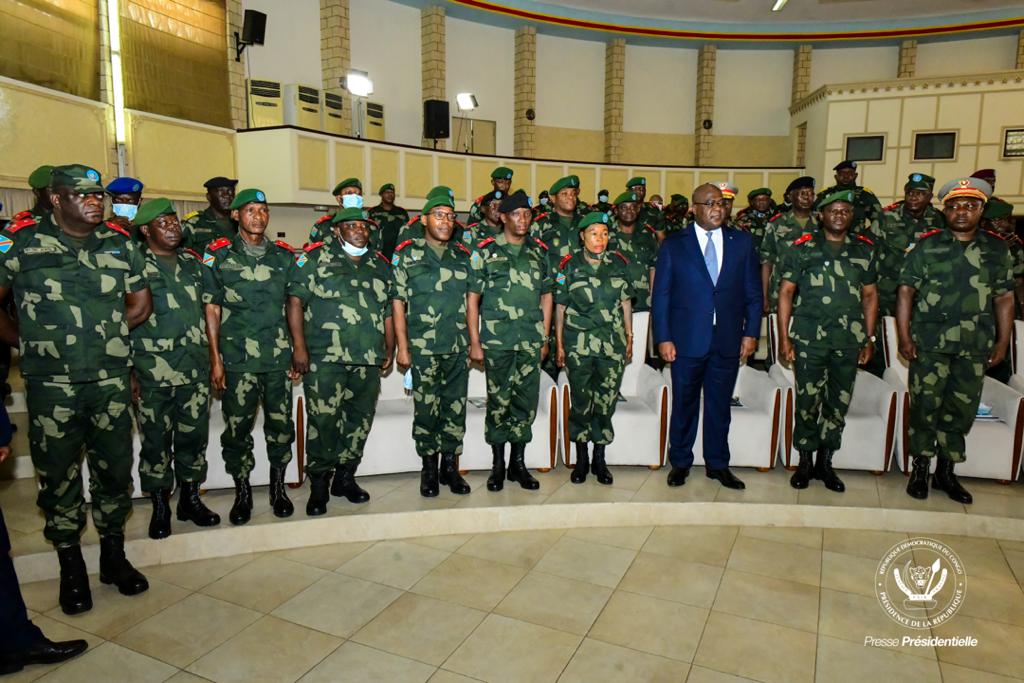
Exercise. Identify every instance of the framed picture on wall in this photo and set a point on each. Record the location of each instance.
(1013, 143)
(861, 148)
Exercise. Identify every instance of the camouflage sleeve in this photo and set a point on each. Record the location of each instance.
(399, 281)
(913, 272)
(789, 265)
(135, 280)
(561, 285)
(766, 251)
(298, 283)
(1017, 256)
(477, 272)
(626, 289)
(871, 275)
(10, 264)
(213, 288)
(1004, 283)
(547, 283)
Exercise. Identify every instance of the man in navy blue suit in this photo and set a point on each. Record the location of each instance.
(706, 308)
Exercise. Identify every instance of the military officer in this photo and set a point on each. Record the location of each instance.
(559, 228)
(199, 228)
(79, 288)
(866, 207)
(414, 230)
(729, 192)
(171, 373)
(125, 197)
(39, 182)
(501, 180)
(339, 314)
(511, 289)
(430, 280)
(832, 275)
(602, 203)
(988, 175)
(349, 194)
(675, 216)
(648, 213)
(490, 225)
(390, 220)
(244, 285)
(542, 206)
(780, 232)
(954, 315)
(594, 336)
(998, 217)
(639, 244)
(754, 218)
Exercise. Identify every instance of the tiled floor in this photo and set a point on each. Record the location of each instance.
(604, 604)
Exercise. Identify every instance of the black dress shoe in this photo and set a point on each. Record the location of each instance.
(496, 481)
(581, 468)
(727, 478)
(448, 475)
(677, 476)
(599, 468)
(42, 652)
(945, 480)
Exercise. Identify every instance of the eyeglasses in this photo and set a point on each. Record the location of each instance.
(718, 203)
(443, 216)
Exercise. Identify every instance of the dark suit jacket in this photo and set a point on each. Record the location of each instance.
(685, 302)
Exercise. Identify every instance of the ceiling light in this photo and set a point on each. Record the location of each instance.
(358, 83)
(779, 4)
(466, 101)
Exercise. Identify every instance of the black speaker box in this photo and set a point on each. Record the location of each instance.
(435, 119)
(254, 27)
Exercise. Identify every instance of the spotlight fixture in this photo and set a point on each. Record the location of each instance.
(466, 101)
(779, 4)
(358, 83)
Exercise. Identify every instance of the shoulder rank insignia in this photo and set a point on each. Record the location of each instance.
(806, 237)
(936, 231)
(894, 205)
(864, 238)
(541, 243)
(382, 257)
(772, 219)
(21, 214)
(117, 228)
(218, 243)
(472, 225)
(190, 215)
(565, 259)
(301, 258)
(284, 245)
(648, 226)
(996, 235)
(483, 243)
(312, 246)
(540, 217)
(192, 252)
(413, 220)
(621, 256)
(461, 247)
(402, 246)
(19, 223)
(323, 219)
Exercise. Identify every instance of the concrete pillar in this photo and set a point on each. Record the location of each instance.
(614, 98)
(524, 142)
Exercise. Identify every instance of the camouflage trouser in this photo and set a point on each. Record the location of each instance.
(64, 421)
(824, 387)
(174, 425)
(945, 391)
(594, 389)
(245, 393)
(439, 385)
(340, 403)
(513, 387)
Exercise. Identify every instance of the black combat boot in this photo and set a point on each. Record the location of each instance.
(116, 569)
(428, 476)
(279, 494)
(517, 471)
(241, 510)
(319, 493)
(802, 477)
(449, 475)
(160, 520)
(599, 468)
(75, 595)
(496, 481)
(345, 484)
(823, 471)
(917, 487)
(945, 480)
(581, 468)
(191, 508)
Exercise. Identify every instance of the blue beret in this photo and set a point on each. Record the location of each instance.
(123, 185)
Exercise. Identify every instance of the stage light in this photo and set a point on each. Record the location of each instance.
(466, 101)
(358, 83)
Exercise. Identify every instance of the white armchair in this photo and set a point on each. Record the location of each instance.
(1017, 351)
(993, 446)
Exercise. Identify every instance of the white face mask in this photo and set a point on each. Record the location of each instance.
(351, 250)
(351, 201)
(126, 210)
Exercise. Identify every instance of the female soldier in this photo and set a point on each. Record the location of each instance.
(594, 336)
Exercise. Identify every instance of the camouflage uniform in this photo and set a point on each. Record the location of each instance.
(561, 234)
(75, 357)
(594, 339)
(895, 233)
(511, 282)
(199, 228)
(434, 290)
(753, 221)
(866, 207)
(255, 347)
(320, 228)
(172, 365)
(954, 329)
(641, 250)
(476, 233)
(779, 234)
(346, 303)
(828, 331)
(389, 225)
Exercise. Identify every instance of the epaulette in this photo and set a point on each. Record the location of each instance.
(936, 231)
(402, 246)
(479, 199)
(472, 225)
(284, 245)
(541, 243)
(460, 245)
(772, 219)
(996, 235)
(190, 216)
(803, 238)
(21, 214)
(894, 205)
(117, 228)
(566, 259)
(648, 226)
(383, 257)
(218, 244)
(312, 246)
(20, 223)
(413, 220)
(864, 238)
(864, 188)
(192, 252)
(541, 217)
(621, 256)
(322, 219)
(484, 243)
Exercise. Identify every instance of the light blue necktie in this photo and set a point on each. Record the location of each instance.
(711, 259)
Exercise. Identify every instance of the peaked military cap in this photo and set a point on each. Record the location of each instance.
(78, 177)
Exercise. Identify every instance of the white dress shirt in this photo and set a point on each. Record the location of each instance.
(704, 235)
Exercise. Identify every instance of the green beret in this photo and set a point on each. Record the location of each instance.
(562, 183)
(638, 180)
(442, 190)
(592, 218)
(997, 208)
(352, 213)
(347, 182)
(838, 196)
(439, 196)
(82, 179)
(626, 196)
(248, 196)
(502, 173)
(919, 181)
(760, 190)
(385, 187)
(40, 177)
(153, 208)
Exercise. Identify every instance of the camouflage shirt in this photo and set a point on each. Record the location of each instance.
(70, 301)
(346, 303)
(754, 222)
(251, 293)
(641, 249)
(827, 310)
(780, 232)
(320, 229)
(476, 233)
(389, 225)
(170, 348)
(560, 234)
(895, 232)
(593, 296)
(955, 283)
(434, 291)
(866, 207)
(511, 282)
(199, 228)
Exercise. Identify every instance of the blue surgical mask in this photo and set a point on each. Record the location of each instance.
(543, 201)
(351, 201)
(351, 250)
(126, 210)
(602, 198)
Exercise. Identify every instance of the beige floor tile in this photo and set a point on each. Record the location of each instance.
(54, 630)
(269, 650)
(187, 630)
(264, 583)
(672, 579)
(394, 563)
(199, 573)
(704, 544)
(185, 677)
(630, 477)
(355, 662)
(996, 505)
(698, 489)
(853, 617)
(768, 599)
(518, 548)
(861, 542)
(1015, 558)
(110, 662)
(810, 538)
(511, 495)
(980, 487)
(593, 562)
(998, 648)
(420, 628)
(895, 497)
(443, 676)
(338, 604)
(328, 557)
(983, 558)
(659, 627)
(778, 560)
(755, 493)
(42, 596)
(555, 602)
(632, 538)
(699, 674)
(951, 673)
(470, 581)
(1000, 601)
(113, 613)
(528, 652)
(819, 495)
(599, 661)
(589, 492)
(755, 649)
(843, 660)
(848, 573)
(408, 499)
(449, 543)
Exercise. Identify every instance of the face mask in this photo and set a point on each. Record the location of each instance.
(602, 198)
(126, 210)
(543, 201)
(351, 201)
(351, 250)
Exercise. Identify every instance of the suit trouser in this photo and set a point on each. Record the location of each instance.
(18, 631)
(715, 375)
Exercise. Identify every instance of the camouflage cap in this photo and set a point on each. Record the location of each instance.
(564, 182)
(997, 208)
(385, 187)
(838, 196)
(40, 177)
(352, 213)
(153, 208)
(501, 173)
(439, 196)
(759, 190)
(729, 191)
(625, 197)
(248, 196)
(347, 182)
(593, 218)
(81, 179)
(975, 188)
(638, 180)
(919, 181)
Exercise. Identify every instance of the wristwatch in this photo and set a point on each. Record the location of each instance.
(873, 339)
